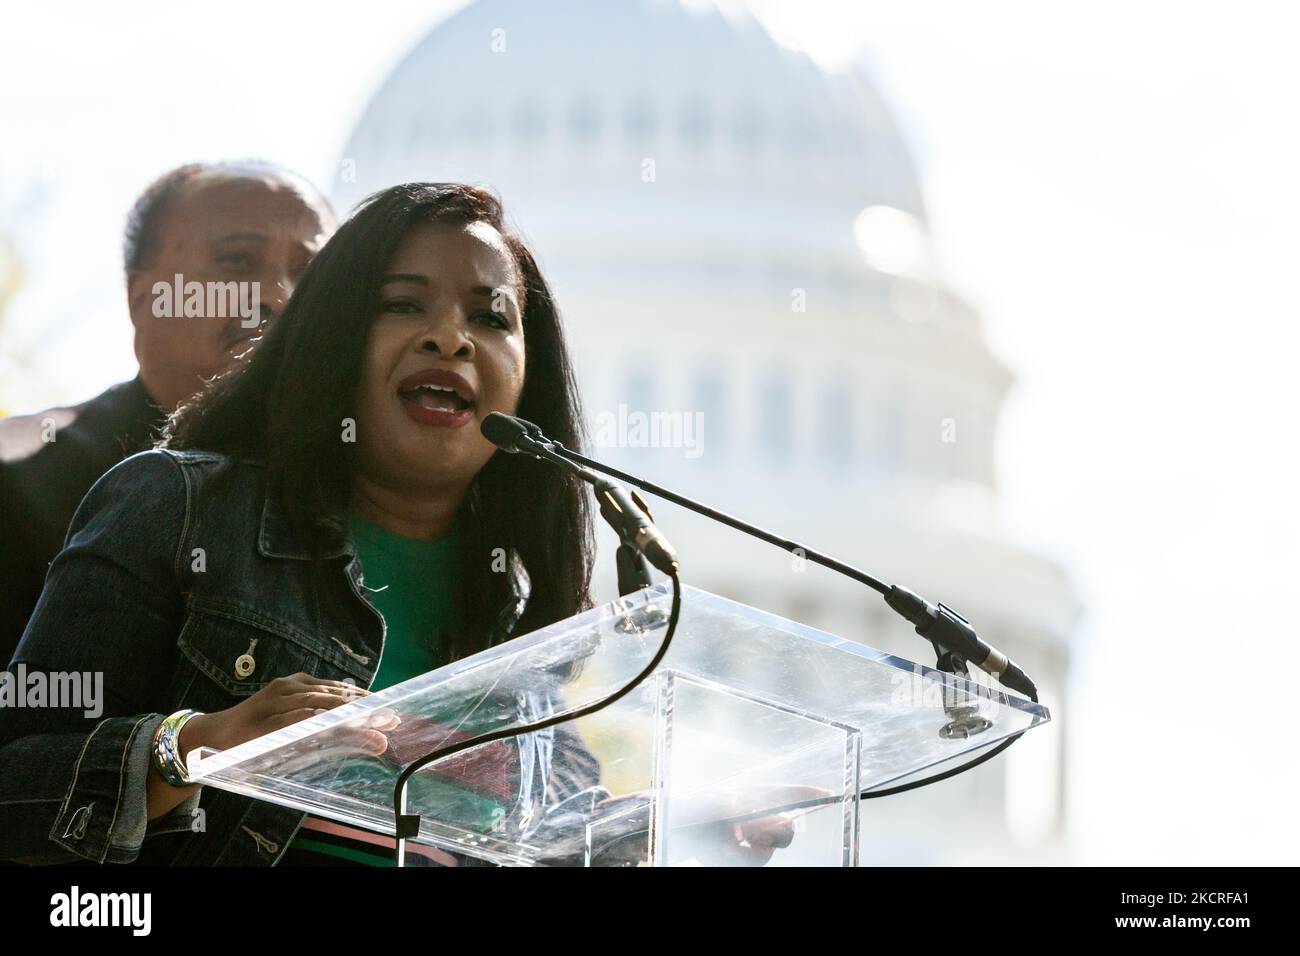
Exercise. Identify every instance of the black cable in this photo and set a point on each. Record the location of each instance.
(408, 824)
(926, 781)
(812, 803)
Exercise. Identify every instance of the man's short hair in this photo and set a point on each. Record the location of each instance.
(140, 239)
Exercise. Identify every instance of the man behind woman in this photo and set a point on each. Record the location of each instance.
(244, 222)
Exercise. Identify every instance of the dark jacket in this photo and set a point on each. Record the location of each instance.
(42, 481)
(124, 598)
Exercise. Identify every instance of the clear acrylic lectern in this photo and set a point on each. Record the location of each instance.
(754, 732)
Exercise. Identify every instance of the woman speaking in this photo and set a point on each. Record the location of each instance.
(327, 519)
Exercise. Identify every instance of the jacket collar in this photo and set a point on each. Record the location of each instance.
(276, 538)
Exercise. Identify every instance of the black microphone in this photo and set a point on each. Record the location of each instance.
(949, 632)
(508, 433)
(617, 507)
(633, 569)
(623, 515)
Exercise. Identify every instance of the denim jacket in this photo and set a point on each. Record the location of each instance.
(175, 563)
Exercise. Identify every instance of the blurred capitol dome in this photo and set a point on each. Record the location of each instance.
(739, 246)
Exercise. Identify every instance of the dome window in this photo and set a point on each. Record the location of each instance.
(747, 129)
(802, 133)
(709, 399)
(584, 121)
(774, 403)
(529, 122)
(837, 421)
(639, 123)
(696, 126)
(474, 124)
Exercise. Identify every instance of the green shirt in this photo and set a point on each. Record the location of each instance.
(413, 585)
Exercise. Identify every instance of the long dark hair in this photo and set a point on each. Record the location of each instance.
(286, 408)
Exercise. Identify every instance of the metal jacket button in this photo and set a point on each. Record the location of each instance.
(244, 663)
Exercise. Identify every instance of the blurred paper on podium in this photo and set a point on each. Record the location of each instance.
(748, 745)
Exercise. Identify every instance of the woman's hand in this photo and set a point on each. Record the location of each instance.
(284, 701)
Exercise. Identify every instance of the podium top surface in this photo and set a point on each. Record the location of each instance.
(766, 691)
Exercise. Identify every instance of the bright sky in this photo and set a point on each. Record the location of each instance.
(1112, 184)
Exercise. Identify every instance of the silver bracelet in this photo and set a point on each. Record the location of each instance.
(167, 756)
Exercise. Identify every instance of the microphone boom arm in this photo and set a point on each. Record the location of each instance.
(949, 632)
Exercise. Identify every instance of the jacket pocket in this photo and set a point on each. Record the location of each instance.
(241, 652)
